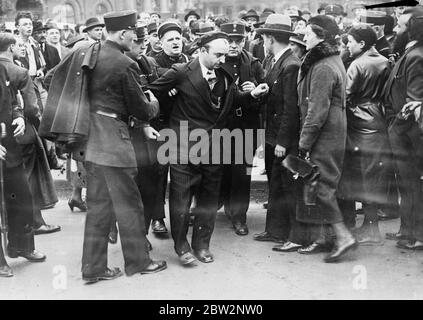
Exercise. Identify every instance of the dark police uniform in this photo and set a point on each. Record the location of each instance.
(115, 94)
(236, 181)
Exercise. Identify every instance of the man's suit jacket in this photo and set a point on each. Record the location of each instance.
(9, 110)
(21, 81)
(51, 56)
(115, 87)
(282, 113)
(193, 102)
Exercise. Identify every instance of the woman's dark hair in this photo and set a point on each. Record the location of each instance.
(363, 32)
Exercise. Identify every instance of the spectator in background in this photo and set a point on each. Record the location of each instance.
(53, 39)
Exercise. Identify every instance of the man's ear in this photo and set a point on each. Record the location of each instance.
(362, 44)
(122, 34)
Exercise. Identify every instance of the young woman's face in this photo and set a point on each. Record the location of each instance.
(311, 39)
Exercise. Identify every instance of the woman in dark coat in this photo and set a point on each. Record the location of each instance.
(367, 159)
(321, 94)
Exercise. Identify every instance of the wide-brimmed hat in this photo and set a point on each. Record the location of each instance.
(92, 23)
(251, 14)
(191, 13)
(299, 39)
(277, 24)
(205, 27)
(52, 25)
(263, 18)
(38, 26)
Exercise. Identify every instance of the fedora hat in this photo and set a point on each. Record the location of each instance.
(92, 23)
(277, 24)
(251, 14)
(299, 39)
(191, 13)
(205, 27)
(38, 26)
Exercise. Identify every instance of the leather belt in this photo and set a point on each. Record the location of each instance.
(107, 113)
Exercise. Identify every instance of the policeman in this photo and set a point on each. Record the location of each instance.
(115, 94)
(247, 72)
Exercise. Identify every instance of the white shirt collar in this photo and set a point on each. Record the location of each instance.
(279, 54)
(204, 71)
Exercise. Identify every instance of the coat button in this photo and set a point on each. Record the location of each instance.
(83, 54)
(78, 73)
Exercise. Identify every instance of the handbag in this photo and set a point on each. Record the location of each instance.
(309, 172)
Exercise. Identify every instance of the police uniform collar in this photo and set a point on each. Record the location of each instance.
(114, 45)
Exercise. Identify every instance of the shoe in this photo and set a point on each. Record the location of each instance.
(287, 247)
(46, 229)
(158, 226)
(265, 236)
(154, 267)
(33, 256)
(314, 248)
(340, 251)
(187, 258)
(241, 229)
(204, 255)
(410, 245)
(396, 236)
(107, 275)
(384, 215)
(113, 237)
(149, 245)
(6, 271)
(81, 205)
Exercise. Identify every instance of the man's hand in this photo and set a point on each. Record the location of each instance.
(150, 95)
(173, 92)
(40, 74)
(410, 108)
(248, 86)
(3, 153)
(261, 90)
(20, 127)
(280, 151)
(151, 133)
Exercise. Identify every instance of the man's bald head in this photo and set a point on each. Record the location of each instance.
(213, 54)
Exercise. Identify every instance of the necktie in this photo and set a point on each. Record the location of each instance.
(211, 79)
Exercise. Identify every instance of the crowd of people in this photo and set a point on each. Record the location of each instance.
(339, 102)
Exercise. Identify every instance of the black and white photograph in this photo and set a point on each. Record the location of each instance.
(211, 155)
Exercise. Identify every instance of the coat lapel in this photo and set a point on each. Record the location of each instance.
(195, 76)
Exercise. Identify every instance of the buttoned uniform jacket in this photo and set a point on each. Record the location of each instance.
(115, 87)
(9, 111)
(282, 114)
(250, 69)
(193, 102)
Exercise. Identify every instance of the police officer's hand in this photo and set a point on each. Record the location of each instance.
(173, 92)
(261, 90)
(151, 97)
(3, 153)
(20, 127)
(151, 133)
(248, 86)
(280, 151)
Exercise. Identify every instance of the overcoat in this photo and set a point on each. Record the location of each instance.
(322, 102)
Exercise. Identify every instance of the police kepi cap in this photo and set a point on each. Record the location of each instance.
(234, 29)
(120, 20)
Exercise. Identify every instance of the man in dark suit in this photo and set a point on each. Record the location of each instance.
(206, 95)
(405, 85)
(17, 195)
(247, 72)
(281, 128)
(50, 53)
(115, 94)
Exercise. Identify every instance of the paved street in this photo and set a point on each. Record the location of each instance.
(243, 268)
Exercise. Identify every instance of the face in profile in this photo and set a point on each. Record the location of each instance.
(310, 38)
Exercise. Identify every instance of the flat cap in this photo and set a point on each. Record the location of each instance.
(211, 36)
(168, 26)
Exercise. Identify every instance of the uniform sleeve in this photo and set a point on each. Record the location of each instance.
(289, 126)
(137, 103)
(320, 96)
